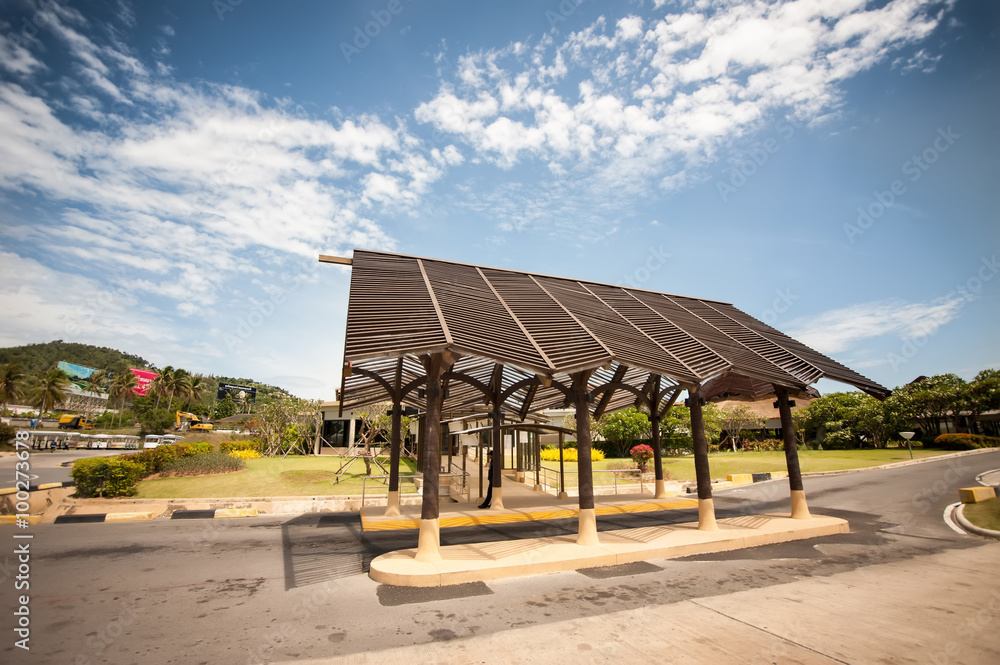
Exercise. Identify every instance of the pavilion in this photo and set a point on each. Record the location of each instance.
(450, 337)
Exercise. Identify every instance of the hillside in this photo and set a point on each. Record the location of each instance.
(36, 359)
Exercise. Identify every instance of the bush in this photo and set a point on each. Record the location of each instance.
(245, 454)
(197, 448)
(107, 476)
(155, 421)
(965, 441)
(569, 455)
(641, 455)
(7, 433)
(767, 445)
(200, 465)
(241, 444)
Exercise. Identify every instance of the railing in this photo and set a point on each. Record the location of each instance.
(620, 479)
(447, 484)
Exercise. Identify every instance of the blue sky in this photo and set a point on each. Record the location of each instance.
(169, 171)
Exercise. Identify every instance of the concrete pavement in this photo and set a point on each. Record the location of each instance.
(881, 613)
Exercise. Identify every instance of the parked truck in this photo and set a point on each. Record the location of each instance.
(75, 421)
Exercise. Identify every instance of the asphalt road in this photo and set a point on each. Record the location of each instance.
(47, 466)
(282, 588)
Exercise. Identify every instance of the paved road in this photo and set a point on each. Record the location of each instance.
(278, 589)
(47, 466)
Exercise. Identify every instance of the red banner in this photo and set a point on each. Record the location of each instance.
(145, 378)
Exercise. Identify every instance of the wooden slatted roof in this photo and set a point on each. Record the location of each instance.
(535, 325)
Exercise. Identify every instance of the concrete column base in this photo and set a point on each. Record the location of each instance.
(562, 495)
(587, 533)
(429, 541)
(497, 501)
(392, 505)
(800, 509)
(661, 490)
(538, 487)
(706, 515)
(519, 476)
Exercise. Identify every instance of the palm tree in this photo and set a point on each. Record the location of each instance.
(121, 388)
(10, 388)
(50, 392)
(198, 384)
(179, 385)
(95, 386)
(160, 386)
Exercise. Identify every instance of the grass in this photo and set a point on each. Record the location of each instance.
(985, 514)
(723, 464)
(291, 476)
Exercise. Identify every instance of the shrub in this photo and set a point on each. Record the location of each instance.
(200, 465)
(241, 444)
(767, 445)
(107, 476)
(245, 454)
(641, 455)
(965, 441)
(198, 448)
(7, 432)
(570, 455)
(155, 421)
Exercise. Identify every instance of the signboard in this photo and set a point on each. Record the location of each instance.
(145, 378)
(78, 372)
(238, 393)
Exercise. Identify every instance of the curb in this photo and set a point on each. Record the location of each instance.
(44, 486)
(925, 460)
(972, 528)
(145, 516)
(218, 513)
(12, 519)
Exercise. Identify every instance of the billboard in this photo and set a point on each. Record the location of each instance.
(145, 378)
(238, 393)
(75, 372)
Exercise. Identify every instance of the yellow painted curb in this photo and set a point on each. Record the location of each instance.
(12, 519)
(129, 517)
(48, 486)
(235, 512)
(740, 478)
(8, 490)
(976, 494)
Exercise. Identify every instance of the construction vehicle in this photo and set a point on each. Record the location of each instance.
(186, 421)
(75, 421)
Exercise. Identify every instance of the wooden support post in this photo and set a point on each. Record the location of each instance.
(654, 422)
(497, 478)
(429, 539)
(538, 462)
(706, 507)
(800, 509)
(395, 442)
(519, 448)
(562, 469)
(587, 530)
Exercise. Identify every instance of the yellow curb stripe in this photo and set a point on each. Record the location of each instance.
(235, 512)
(975, 494)
(8, 490)
(12, 519)
(129, 517)
(48, 486)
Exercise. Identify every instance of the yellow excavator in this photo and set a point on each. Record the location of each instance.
(187, 421)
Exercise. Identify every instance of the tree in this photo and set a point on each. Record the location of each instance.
(623, 427)
(160, 386)
(195, 389)
(155, 421)
(982, 395)
(50, 392)
(376, 423)
(225, 407)
(286, 425)
(930, 401)
(736, 419)
(95, 386)
(834, 418)
(122, 388)
(11, 377)
(178, 385)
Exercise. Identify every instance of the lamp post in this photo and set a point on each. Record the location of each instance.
(908, 436)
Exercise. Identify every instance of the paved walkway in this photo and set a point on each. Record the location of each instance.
(934, 609)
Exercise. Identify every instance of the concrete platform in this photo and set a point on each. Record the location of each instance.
(478, 562)
(520, 509)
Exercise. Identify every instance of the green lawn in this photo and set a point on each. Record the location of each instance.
(985, 515)
(723, 464)
(291, 476)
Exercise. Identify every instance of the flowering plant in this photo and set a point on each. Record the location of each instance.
(641, 455)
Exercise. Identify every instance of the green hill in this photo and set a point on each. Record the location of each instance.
(37, 359)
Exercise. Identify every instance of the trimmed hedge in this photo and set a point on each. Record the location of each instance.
(241, 444)
(119, 475)
(200, 465)
(966, 441)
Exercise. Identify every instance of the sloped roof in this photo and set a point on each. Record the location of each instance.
(402, 307)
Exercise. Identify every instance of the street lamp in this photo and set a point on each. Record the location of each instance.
(908, 436)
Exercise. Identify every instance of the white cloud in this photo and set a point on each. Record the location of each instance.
(839, 330)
